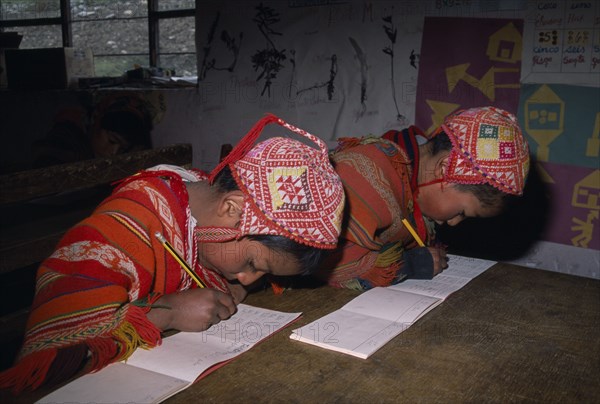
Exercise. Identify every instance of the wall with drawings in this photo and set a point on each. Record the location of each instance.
(357, 67)
(352, 68)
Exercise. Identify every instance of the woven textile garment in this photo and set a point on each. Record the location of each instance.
(96, 287)
(94, 291)
(290, 189)
(380, 182)
(487, 148)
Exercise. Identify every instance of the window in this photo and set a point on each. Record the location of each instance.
(121, 34)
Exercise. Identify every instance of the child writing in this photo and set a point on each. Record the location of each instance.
(471, 166)
(111, 287)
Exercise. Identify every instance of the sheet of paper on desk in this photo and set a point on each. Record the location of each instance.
(154, 375)
(372, 319)
(460, 271)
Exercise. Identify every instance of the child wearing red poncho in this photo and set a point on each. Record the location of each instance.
(470, 167)
(111, 287)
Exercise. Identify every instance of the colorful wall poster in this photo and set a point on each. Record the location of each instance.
(575, 194)
(467, 62)
(562, 124)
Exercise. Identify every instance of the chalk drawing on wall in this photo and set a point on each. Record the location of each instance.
(232, 46)
(586, 194)
(328, 84)
(391, 32)
(414, 59)
(544, 119)
(364, 67)
(269, 60)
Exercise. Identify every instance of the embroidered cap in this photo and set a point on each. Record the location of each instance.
(290, 189)
(488, 148)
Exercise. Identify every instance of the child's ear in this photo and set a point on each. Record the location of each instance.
(441, 167)
(231, 206)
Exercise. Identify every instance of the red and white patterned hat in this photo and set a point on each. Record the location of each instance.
(488, 148)
(290, 188)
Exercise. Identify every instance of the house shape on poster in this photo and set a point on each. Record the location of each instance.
(586, 193)
(505, 45)
(544, 119)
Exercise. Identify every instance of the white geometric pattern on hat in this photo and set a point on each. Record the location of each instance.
(291, 196)
(488, 147)
(291, 190)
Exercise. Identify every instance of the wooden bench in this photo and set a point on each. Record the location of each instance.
(38, 207)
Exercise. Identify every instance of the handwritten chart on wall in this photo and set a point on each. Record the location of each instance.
(562, 43)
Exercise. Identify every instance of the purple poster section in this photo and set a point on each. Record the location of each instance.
(575, 200)
(467, 62)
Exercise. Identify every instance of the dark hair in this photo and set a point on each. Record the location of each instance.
(132, 127)
(485, 193)
(129, 116)
(306, 256)
(224, 181)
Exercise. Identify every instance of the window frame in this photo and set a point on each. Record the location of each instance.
(65, 20)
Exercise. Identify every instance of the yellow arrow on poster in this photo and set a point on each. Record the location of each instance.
(593, 143)
(440, 111)
(506, 70)
(487, 84)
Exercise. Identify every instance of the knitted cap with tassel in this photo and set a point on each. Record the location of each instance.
(290, 189)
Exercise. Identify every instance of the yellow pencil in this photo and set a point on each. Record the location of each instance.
(178, 258)
(413, 232)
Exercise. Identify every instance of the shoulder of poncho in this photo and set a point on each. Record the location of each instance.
(385, 146)
(191, 175)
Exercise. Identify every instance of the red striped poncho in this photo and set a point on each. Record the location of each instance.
(379, 177)
(94, 291)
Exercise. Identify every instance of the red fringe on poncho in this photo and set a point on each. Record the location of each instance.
(96, 288)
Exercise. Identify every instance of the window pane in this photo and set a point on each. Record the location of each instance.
(113, 37)
(184, 65)
(175, 4)
(125, 40)
(115, 66)
(42, 36)
(103, 9)
(176, 35)
(26, 9)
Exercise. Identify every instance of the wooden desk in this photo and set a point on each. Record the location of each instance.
(512, 334)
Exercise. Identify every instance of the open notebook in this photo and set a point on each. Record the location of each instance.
(155, 375)
(373, 318)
